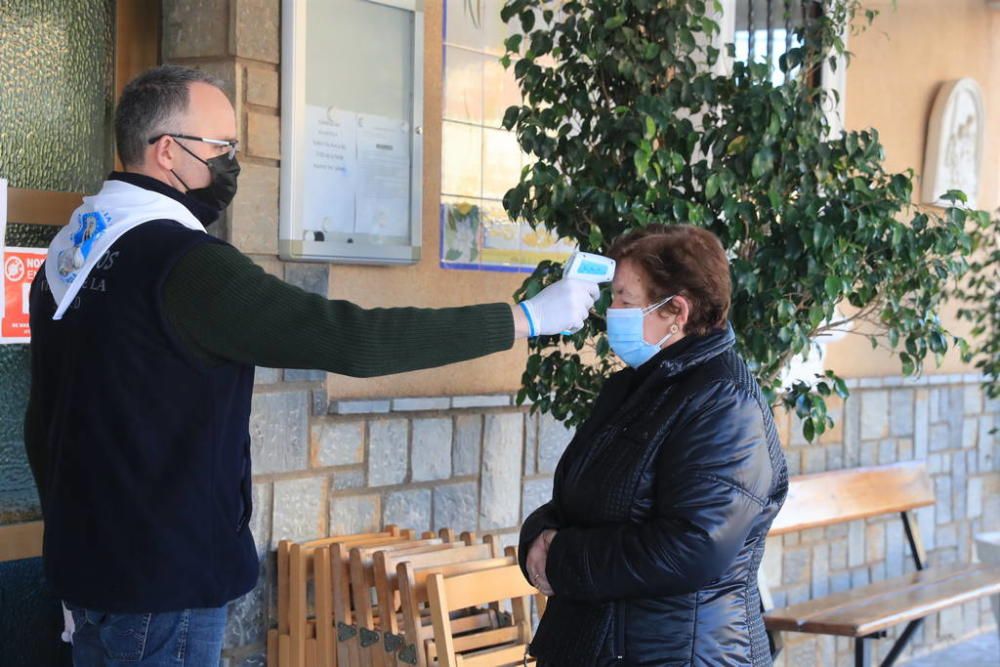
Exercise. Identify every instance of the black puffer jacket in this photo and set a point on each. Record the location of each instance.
(662, 502)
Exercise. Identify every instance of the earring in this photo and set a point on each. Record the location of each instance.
(673, 328)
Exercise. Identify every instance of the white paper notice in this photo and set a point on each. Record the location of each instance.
(357, 177)
(331, 171)
(383, 198)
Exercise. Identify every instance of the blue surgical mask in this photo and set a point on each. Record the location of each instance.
(625, 334)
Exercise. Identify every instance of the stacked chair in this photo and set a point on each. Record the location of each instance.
(394, 599)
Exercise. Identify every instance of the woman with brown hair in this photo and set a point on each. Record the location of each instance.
(650, 546)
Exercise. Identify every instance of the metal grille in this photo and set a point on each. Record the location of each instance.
(766, 30)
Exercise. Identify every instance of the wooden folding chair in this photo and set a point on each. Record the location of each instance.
(499, 647)
(343, 648)
(325, 588)
(298, 565)
(413, 593)
(362, 578)
(387, 585)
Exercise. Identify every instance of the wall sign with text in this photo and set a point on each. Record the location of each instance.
(20, 266)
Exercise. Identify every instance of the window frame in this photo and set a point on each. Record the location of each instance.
(832, 80)
(137, 48)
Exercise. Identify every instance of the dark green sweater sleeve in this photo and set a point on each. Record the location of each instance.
(225, 306)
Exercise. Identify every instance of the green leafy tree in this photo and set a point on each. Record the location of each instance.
(629, 123)
(980, 293)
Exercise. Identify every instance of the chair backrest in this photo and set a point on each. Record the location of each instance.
(412, 585)
(362, 577)
(827, 498)
(386, 580)
(473, 589)
(283, 563)
(348, 651)
(391, 530)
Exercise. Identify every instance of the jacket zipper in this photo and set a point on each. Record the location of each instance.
(620, 631)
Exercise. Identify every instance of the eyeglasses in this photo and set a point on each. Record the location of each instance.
(232, 144)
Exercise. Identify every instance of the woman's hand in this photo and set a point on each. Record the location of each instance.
(537, 556)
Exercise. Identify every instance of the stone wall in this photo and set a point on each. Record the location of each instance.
(480, 463)
(467, 462)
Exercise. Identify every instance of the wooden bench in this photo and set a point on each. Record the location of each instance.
(866, 613)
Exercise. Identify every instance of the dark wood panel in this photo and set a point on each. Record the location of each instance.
(41, 207)
(21, 540)
(137, 42)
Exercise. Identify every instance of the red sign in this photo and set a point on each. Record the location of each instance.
(20, 265)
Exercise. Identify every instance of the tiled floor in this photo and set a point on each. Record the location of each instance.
(980, 651)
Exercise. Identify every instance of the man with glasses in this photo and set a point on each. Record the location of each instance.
(145, 334)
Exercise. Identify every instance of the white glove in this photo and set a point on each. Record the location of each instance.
(562, 306)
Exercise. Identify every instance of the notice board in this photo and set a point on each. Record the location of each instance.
(352, 131)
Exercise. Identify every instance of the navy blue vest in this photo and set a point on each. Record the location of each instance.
(148, 491)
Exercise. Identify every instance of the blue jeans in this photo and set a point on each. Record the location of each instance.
(189, 638)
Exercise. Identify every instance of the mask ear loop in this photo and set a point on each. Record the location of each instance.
(187, 187)
(673, 327)
(211, 172)
(648, 309)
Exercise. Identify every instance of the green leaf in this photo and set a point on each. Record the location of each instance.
(955, 196)
(737, 145)
(762, 162)
(909, 367)
(615, 22)
(513, 43)
(841, 388)
(510, 117)
(641, 160)
(677, 162)
(832, 284)
(774, 198)
(808, 430)
(712, 186)
(816, 314)
(687, 39)
(595, 237)
(527, 21)
(650, 128)
(893, 335)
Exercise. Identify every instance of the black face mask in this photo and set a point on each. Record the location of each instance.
(220, 192)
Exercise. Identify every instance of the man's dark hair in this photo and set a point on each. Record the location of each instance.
(151, 105)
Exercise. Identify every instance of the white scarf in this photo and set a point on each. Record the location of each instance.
(95, 226)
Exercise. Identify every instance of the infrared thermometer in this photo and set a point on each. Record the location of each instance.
(587, 266)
